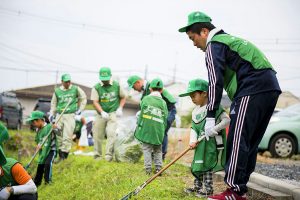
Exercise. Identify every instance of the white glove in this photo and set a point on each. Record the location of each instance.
(104, 115)
(137, 115)
(119, 112)
(78, 112)
(4, 194)
(209, 128)
(52, 118)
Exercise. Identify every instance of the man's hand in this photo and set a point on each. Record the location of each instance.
(209, 128)
(104, 115)
(4, 193)
(119, 112)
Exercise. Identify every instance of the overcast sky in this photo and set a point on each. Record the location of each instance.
(42, 39)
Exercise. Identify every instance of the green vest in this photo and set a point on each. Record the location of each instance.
(44, 152)
(152, 120)
(7, 178)
(246, 51)
(207, 156)
(3, 133)
(109, 96)
(64, 96)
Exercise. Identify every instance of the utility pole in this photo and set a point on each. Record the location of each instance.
(56, 79)
(146, 72)
(174, 74)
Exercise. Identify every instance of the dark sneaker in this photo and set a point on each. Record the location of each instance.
(148, 171)
(157, 170)
(97, 157)
(227, 194)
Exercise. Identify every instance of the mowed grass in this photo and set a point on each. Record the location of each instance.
(81, 177)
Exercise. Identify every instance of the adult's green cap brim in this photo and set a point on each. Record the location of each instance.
(195, 17)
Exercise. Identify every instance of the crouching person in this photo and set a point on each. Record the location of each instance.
(209, 154)
(151, 126)
(15, 182)
(48, 151)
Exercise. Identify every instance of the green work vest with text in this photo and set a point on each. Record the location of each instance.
(6, 178)
(109, 96)
(64, 96)
(246, 51)
(208, 154)
(152, 120)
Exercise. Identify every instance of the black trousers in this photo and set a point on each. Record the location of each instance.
(249, 116)
(24, 197)
(45, 169)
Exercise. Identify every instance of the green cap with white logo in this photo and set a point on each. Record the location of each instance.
(195, 17)
(105, 74)
(156, 83)
(66, 77)
(132, 80)
(195, 85)
(35, 115)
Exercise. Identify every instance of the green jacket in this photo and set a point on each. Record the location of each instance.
(246, 51)
(152, 120)
(41, 134)
(207, 156)
(109, 96)
(7, 179)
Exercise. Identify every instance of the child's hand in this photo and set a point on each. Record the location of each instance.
(193, 145)
(54, 126)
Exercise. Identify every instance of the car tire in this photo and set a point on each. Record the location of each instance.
(282, 146)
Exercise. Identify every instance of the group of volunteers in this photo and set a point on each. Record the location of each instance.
(233, 64)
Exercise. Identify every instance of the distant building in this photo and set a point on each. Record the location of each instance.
(286, 99)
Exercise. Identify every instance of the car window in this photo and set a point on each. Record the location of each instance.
(10, 102)
(289, 111)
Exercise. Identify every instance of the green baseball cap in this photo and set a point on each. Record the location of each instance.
(195, 17)
(66, 77)
(104, 74)
(2, 157)
(35, 115)
(195, 85)
(156, 83)
(132, 80)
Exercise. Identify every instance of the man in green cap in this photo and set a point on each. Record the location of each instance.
(3, 134)
(151, 126)
(250, 81)
(141, 85)
(209, 156)
(64, 94)
(108, 99)
(15, 182)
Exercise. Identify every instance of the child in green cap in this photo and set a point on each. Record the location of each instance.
(151, 126)
(209, 154)
(48, 151)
